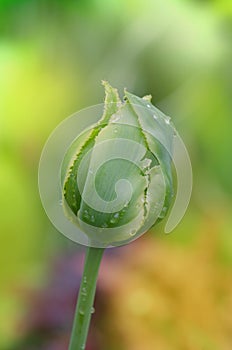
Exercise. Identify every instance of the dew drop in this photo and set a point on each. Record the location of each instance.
(155, 116)
(163, 212)
(167, 120)
(113, 220)
(92, 310)
(81, 312)
(122, 212)
(92, 218)
(115, 118)
(148, 106)
(133, 232)
(86, 214)
(115, 131)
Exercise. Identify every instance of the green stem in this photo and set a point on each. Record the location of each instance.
(85, 299)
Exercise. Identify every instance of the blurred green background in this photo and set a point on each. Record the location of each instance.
(165, 291)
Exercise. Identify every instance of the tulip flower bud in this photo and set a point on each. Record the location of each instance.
(116, 177)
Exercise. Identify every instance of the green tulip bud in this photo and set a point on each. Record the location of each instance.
(106, 179)
(116, 177)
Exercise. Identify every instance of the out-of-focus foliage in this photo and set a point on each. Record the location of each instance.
(160, 295)
(53, 55)
(170, 298)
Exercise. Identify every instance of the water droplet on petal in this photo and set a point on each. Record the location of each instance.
(112, 221)
(163, 212)
(133, 232)
(115, 218)
(115, 118)
(167, 120)
(86, 214)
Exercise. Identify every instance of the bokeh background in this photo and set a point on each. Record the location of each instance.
(166, 292)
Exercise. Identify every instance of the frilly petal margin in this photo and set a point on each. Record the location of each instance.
(117, 178)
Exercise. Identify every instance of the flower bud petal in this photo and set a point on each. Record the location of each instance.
(117, 179)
